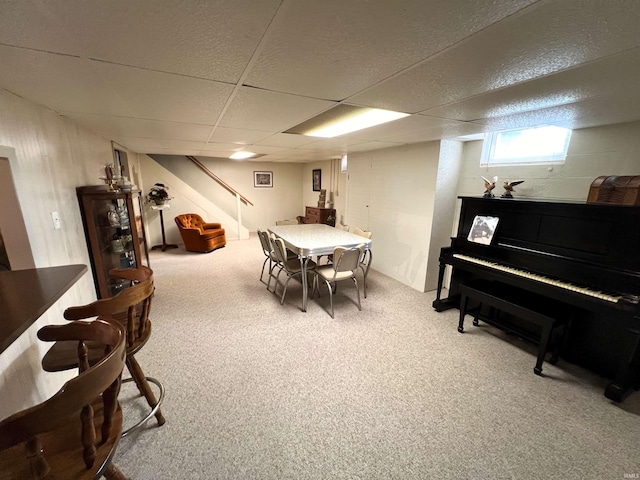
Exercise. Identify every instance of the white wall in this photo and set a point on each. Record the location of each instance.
(399, 186)
(609, 150)
(184, 199)
(282, 201)
(596, 151)
(449, 166)
(333, 182)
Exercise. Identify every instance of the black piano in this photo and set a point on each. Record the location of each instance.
(584, 255)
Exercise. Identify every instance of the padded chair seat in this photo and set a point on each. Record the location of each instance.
(218, 232)
(63, 355)
(328, 273)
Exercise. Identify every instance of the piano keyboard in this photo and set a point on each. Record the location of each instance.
(539, 278)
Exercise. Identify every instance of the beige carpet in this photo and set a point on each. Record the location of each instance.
(259, 390)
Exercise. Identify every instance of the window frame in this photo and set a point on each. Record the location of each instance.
(487, 158)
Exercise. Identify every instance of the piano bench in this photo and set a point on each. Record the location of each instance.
(547, 314)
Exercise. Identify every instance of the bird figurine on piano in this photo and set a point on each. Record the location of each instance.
(489, 185)
(508, 188)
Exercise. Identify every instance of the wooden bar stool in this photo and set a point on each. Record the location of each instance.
(57, 438)
(130, 307)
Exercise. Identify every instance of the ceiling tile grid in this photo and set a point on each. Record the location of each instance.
(208, 78)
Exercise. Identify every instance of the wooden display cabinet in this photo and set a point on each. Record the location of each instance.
(114, 230)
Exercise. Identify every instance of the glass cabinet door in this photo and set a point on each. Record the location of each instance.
(138, 225)
(115, 234)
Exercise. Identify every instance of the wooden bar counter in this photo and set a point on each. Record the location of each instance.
(26, 294)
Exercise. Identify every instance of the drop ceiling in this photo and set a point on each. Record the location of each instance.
(209, 78)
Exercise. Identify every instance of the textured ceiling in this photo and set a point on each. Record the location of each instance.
(208, 78)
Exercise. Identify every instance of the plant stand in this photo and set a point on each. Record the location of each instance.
(165, 245)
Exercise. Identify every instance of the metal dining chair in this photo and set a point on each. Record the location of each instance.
(291, 266)
(269, 256)
(365, 259)
(344, 267)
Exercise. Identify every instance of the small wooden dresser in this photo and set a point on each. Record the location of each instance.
(320, 215)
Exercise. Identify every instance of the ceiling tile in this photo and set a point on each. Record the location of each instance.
(237, 73)
(266, 150)
(543, 39)
(212, 40)
(237, 135)
(212, 151)
(155, 145)
(607, 109)
(287, 140)
(616, 73)
(312, 153)
(273, 112)
(164, 96)
(176, 151)
(449, 130)
(356, 44)
(60, 82)
(26, 23)
(364, 147)
(132, 127)
(231, 147)
(573, 114)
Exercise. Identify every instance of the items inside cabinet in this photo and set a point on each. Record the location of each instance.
(111, 240)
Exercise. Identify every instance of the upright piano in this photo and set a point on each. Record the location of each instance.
(585, 255)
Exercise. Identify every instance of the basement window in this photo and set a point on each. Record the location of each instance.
(526, 146)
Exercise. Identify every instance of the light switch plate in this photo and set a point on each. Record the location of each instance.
(56, 220)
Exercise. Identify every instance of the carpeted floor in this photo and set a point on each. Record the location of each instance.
(259, 390)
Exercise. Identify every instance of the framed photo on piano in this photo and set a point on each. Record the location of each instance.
(482, 229)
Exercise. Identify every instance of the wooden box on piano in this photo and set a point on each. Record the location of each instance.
(619, 190)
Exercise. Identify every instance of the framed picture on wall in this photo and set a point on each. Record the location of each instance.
(317, 180)
(263, 179)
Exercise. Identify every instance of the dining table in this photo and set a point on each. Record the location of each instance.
(317, 239)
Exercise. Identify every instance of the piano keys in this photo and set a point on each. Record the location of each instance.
(584, 255)
(608, 297)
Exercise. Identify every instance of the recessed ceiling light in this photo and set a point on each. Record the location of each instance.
(344, 119)
(242, 155)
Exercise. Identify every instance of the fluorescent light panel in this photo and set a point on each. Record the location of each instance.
(242, 155)
(344, 119)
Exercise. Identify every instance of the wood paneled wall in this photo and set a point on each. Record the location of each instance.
(48, 157)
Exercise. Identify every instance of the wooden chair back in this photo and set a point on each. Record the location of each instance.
(131, 306)
(57, 438)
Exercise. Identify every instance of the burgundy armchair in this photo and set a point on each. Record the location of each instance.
(198, 235)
